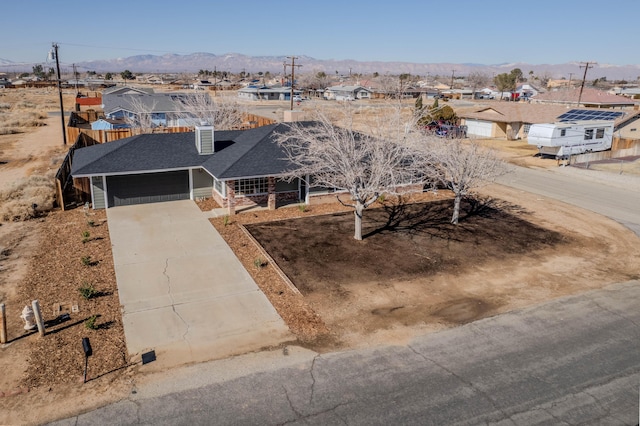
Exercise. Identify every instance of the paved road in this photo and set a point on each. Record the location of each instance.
(571, 361)
(614, 196)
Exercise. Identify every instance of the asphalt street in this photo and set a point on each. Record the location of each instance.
(571, 361)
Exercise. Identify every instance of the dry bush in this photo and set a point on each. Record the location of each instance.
(31, 119)
(26, 105)
(27, 198)
(5, 106)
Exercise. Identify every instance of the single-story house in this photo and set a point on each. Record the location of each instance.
(512, 120)
(264, 93)
(591, 98)
(235, 167)
(342, 93)
(108, 124)
(526, 90)
(127, 90)
(164, 108)
(627, 92)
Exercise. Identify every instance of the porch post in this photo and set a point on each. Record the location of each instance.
(271, 190)
(231, 196)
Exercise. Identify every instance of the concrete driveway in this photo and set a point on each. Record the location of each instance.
(183, 291)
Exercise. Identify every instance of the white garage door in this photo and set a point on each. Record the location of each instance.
(479, 128)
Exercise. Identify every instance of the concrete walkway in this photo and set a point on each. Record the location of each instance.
(183, 291)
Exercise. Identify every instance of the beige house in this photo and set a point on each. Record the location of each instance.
(508, 120)
(511, 120)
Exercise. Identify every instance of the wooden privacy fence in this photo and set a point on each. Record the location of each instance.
(65, 192)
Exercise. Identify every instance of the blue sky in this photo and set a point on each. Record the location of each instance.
(426, 31)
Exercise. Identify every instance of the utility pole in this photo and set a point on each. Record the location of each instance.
(284, 73)
(452, 74)
(570, 78)
(293, 67)
(586, 67)
(55, 53)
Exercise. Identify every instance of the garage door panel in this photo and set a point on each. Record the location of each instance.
(479, 128)
(148, 188)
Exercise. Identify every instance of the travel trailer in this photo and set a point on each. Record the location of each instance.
(564, 139)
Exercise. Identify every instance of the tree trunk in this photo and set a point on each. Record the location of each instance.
(358, 215)
(456, 209)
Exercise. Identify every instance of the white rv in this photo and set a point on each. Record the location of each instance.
(572, 137)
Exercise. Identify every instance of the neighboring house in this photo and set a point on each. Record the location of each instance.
(591, 98)
(235, 167)
(627, 92)
(629, 127)
(108, 124)
(457, 93)
(264, 93)
(526, 91)
(164, 107)
(126, 90)
(342, 93)
(511, 120)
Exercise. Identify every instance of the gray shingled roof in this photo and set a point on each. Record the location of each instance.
(244, 153)
(153, 102)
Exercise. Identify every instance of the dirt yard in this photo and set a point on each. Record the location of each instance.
(411, 275)
(415, 273)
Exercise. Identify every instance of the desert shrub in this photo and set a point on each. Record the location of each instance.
(5, 106)
(26, 198)
(25, 105)
(259, 262)
(90, 323)
(86, 260)
(85, 236)
(8, 131)
(302, 207)
(87, 291)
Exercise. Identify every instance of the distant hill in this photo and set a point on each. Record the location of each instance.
(236, 62)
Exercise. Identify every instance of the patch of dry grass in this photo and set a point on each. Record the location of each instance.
(27, 197)
(20, 115)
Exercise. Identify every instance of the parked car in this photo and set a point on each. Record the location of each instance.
(297, 98)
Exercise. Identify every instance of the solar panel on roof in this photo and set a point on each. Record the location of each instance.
(583, 114)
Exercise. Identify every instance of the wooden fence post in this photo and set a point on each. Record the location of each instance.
(3, 324)
(36, 312)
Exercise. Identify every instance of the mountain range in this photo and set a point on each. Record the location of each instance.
(235, 62)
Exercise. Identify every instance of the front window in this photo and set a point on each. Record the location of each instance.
(600, 133)
(251, 186)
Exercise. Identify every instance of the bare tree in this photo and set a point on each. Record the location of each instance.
(462, 167)
(342, 159)
(141, 116)
(477, 80)
(222, 113)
